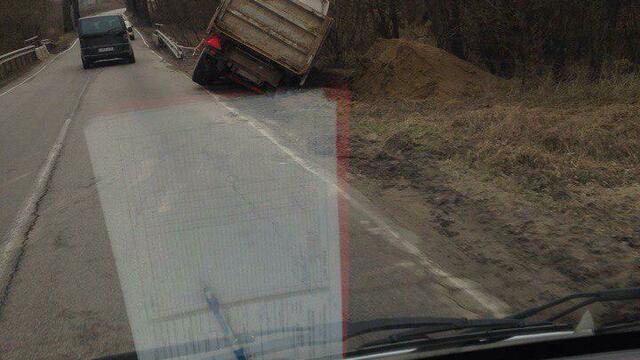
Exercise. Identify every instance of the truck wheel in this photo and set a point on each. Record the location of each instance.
(202, 73)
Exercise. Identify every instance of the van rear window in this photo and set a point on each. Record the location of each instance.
(100, 25)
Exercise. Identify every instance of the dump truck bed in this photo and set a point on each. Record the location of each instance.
(288, 32)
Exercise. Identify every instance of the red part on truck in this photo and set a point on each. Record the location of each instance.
(214, 41)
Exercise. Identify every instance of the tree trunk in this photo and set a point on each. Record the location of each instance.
(395, 20)
(67, 17)
(457, 45)
(132, 6)
(445, 16)
(604, 42)
(76, 12)
(143, 12)
(559, 64)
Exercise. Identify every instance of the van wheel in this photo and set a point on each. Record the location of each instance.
(203, 72)
(86, 64)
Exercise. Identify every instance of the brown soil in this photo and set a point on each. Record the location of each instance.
(532, 199)
(524, 251)
(403, 69)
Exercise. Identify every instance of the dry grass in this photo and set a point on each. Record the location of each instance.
(547, 137)
(551, 173)
(619, 84)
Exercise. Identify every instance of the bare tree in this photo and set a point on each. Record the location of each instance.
(76, 12)
(603, 43)
(67, 16)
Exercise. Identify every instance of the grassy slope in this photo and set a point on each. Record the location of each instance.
(540, 186)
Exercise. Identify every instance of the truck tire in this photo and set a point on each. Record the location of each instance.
(204, 70)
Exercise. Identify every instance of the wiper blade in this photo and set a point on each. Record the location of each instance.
(249, 340)
(426, 325)
(473, 330)
(628, 322)
(469, 336)
(518, 322)
(589, 298)
(473, 325)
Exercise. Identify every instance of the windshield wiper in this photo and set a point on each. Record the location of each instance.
(469, 330)
(425, 325)
(499, 328)
(354, 329)
(588, 299)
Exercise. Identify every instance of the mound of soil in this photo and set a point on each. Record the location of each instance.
(404, 69)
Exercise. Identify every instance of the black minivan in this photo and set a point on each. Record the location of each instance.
(104, 37)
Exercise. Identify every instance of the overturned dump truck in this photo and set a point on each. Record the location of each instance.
(259, 43)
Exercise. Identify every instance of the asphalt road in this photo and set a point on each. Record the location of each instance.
(163, 189)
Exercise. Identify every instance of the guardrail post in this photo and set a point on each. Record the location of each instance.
(156, 40)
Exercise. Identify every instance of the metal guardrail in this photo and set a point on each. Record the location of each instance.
(17, 53)
(14, 60)
(163, 40)
(31, 39)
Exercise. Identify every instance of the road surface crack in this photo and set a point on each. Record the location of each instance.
(27, 219)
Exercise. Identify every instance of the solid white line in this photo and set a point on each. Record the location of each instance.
(142, 37)
(497, 307)
(494, 305)
(42, 68)
(146, 43)
(17, 235)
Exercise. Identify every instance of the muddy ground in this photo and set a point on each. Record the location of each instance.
(516, 248)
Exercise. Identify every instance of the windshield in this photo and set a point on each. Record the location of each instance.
(311, 179)
(100, 25)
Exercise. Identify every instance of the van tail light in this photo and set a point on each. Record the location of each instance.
(214, 42)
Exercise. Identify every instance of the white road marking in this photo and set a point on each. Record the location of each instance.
(497, 307)
(142, 37)
(39, 71)
(146, 43)
(17, 235)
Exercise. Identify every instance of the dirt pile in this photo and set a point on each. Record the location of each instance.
(404, 69)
